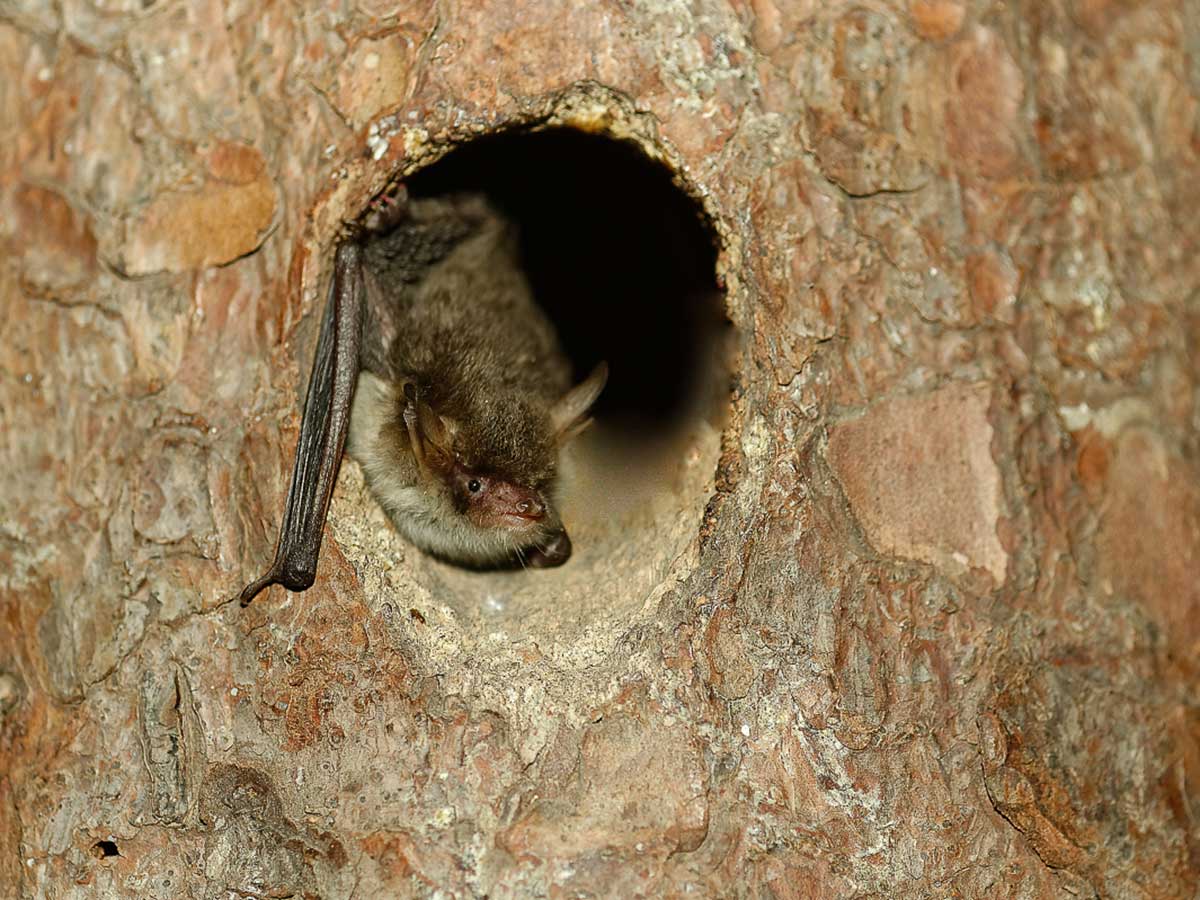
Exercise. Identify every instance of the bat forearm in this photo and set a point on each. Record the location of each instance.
(322, 430)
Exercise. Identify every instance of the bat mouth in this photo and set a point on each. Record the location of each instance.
(527, 521)
(518, 522)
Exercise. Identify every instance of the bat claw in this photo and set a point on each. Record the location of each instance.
(387, 211)
(256, 587)
(292, 577)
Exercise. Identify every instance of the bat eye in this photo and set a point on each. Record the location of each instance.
(474, 486)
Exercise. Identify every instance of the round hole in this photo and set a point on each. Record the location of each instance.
(623, 263)
(105, 849)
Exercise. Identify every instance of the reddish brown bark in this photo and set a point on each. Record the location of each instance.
(936, 633)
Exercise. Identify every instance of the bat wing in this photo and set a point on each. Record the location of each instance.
(322, 429)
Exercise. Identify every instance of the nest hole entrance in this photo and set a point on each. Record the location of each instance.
(105, 849)
(623, 262)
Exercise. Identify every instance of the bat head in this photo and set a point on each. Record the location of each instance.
(494, 458)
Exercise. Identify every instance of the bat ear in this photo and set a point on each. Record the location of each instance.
(570, 414)
(431, 436)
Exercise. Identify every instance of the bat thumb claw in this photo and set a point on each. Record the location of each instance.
(293, 576)
(256, 587)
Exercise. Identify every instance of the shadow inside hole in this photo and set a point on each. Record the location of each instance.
(105, 849)
(619, 258)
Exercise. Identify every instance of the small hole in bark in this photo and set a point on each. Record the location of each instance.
(105, 849)
(623, 262)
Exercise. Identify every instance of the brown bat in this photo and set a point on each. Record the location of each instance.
(436, 361)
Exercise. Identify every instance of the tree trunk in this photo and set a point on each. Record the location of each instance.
(919, 616)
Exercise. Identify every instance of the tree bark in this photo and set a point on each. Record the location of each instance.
(936, 630)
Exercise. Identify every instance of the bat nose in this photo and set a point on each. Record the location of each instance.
(531, 508)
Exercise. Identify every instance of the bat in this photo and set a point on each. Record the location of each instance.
(436, 370)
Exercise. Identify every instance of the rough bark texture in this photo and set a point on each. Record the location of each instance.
(937, 630)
